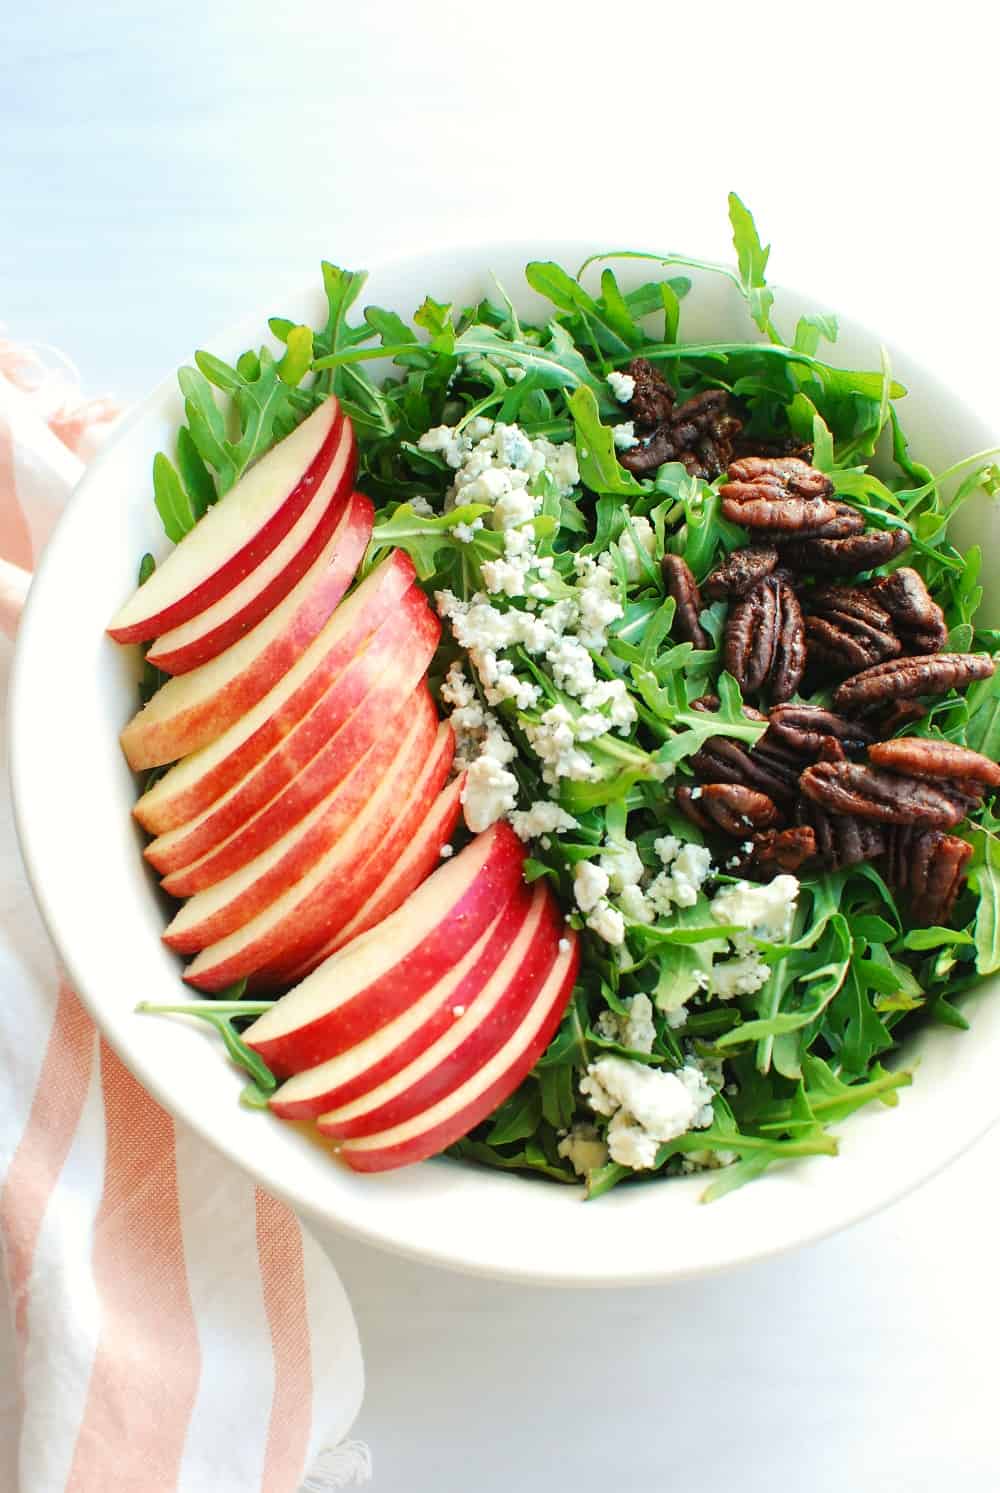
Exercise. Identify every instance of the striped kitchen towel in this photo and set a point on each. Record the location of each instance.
(172, 1329)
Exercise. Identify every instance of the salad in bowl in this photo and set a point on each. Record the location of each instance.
(567, 743)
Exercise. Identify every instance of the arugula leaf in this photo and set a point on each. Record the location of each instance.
(752, 259)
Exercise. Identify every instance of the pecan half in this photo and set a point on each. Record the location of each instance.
(917, 618)
(903, 678)
(806, 729)
(722, 760)
(847, 556)
(683, 587)
(709, 704)
(652, 401)
(898, 713)
(854, 788)
(924, 758)
(784, 849)
(847, 630)
(740, 572)
(765, 639)
(738, 809)
(841, 839)
(699, 433)
(931, 866)
(783, 496)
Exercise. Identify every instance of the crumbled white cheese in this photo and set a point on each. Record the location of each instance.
(590, 884)
(584, 1149)
(607, 922)
(623, 864)
(634, 905)
(489, 792)
(647, 1106)
(679, 886)
(666, 848)
(639, 1031)
(676, 1018)
(572, 666)
(597, 600)
(543, 818)
(613, 694)
(635, 568)
(421, 506)
(624, 436)
(622, 386)
(554, 743)
(467, 532)
(446, 852)
(741, 976)
(564, 946)
(766, 909)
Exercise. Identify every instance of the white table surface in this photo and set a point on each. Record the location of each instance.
(161, 174)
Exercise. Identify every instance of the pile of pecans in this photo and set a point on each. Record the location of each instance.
(824, 788)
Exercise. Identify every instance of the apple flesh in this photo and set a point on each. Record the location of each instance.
(362, 702)
(414, 865)
(202, 637)
(243, 527)
(200, 779)
(377, 977)
(405, 1066)
(193, 709)
(333, 889)
(476, 1094)
(388, 771)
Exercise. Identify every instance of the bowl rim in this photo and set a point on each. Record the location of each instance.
(35, 623)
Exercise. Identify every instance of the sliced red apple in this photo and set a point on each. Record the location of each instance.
(315, 756)
(334, 882)
(479, 1093)
(194, 709)
(479, 1028)
(396, 760)
(377, 977)
(200, 779)
(243, 527)
(202, 637)
(418, 860)
(385, 1051)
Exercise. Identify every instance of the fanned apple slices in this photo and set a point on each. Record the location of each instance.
(307, 809)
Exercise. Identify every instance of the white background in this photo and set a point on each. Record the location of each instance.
(161, 174)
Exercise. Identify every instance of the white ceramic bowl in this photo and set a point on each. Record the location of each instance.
(72, 691)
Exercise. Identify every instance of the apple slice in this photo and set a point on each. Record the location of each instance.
(378, 976)
(479, 1028)
(391, 1052)
(396, 759)
(244, 526)
(416, 863)
(191, 785)
(303, 912)
(316, 755)
(388, 1049)
(203, 636)
(473, 1099)
(193, 709)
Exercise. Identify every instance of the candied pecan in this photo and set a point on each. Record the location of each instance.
(898, 713)
(741, 571)
(872, 793)
(699, 433)
(847, 556)
(917, 618)
(709, 704)
(747, 444)
(784, 849)
(722, 760)
(902, 678)
(683, 587)
(805, 728)
(778, 477)
(738, 809)
(847, 630)
(652, 400)
(765, 640)
(931, 866)
(922, 757)
(783, 496)
(841, 839)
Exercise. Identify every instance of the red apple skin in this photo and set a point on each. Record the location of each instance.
(394, 579)
(150, 741)
(217, 967)
(439, 1020)
(322, 750)
(416, 863)
(399, 752)
(419, 966)
(436, 1139)
(481, 1043)
(199, 650)
(240, 565)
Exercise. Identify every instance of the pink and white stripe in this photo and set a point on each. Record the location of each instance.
(172, 1328)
